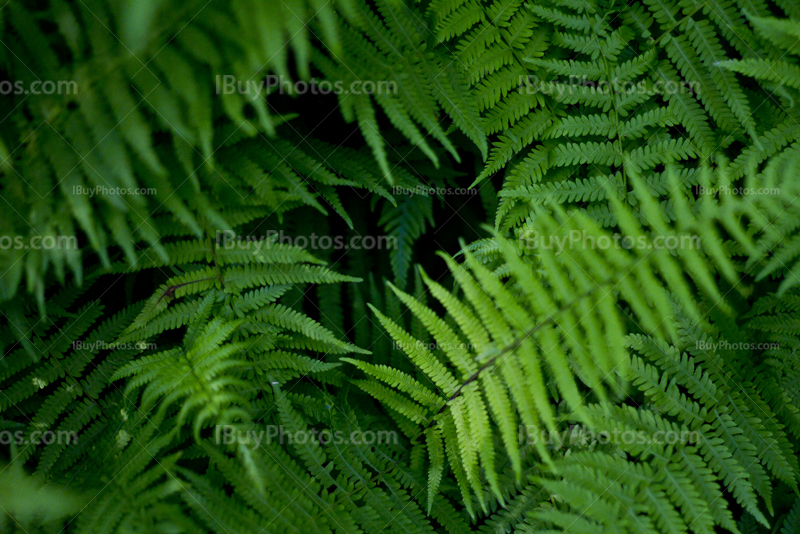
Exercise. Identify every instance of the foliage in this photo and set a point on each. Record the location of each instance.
(249, 330)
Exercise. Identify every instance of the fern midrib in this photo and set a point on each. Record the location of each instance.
(508, 348)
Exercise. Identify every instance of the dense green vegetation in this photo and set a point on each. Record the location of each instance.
(446, 266)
